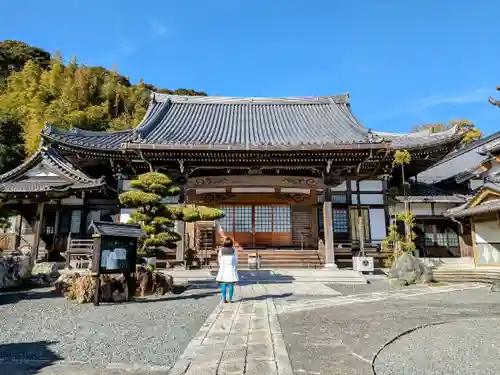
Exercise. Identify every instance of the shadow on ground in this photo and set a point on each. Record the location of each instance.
(175, 298)
(16, 296)
(27, 358)
(249, 277)
(266, 296)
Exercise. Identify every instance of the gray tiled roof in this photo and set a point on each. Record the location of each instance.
(116, 229)
(459, 161)
(86, 139)
(421, 192)
(483, 208)
(251, 122)
(419, 139)
(187, 122)
(492, 183)
(62, 175)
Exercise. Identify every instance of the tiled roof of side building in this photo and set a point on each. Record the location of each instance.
(186, 122)
(92, 140)
(459, 161)
(116, 229)
(54, 173)
(420, 139)
(421, 192)
(464, 210)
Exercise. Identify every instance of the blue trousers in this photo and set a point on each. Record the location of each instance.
(227, 287)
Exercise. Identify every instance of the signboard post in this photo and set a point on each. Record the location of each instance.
(115, 252)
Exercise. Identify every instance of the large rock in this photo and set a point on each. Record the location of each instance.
(14, 270)
(44, 273)
(114, 288)
(410, 270)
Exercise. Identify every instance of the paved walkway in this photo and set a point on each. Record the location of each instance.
(244, 337)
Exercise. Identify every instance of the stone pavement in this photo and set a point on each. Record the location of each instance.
(245, 337)
(408, 293)
(468, 346)
(343, 339)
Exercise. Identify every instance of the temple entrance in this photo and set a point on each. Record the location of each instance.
(257, 225)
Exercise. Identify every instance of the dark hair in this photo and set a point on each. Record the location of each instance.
(228, 242)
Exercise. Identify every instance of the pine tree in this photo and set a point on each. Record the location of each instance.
(156, 217)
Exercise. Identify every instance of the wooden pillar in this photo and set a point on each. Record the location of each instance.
(38, 231)
(56, 230)
(386, 204)
(328, 229)
(180, 227)
(348, 203)
(83, 218)
(314, 219)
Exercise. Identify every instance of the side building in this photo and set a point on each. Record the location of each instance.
(451, 182)
(289, 173)
(481, 213)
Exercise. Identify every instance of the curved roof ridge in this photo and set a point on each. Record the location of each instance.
(339, 99)
(50, 129)
(30, 161)
(422, 133)
(66, 167)
(56, 161)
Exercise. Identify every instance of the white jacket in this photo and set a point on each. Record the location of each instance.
(228, 262)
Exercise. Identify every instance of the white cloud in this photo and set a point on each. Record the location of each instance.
(466, 97)
(414, 107)
(158, 29)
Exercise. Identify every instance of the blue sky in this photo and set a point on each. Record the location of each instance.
(404, 62)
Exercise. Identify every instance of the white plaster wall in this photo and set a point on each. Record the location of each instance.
(124, 216)
(252, 190)
(487, 231)
(341, 187)
(124, 185)
(439, 208)
(368, 198)
(72, 201)
(474, 184)
(378, 229)
(210, 190)
(419, 208)
(368, 185)
(495, 168)
(295, 191)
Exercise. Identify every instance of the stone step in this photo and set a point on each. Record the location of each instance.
(456, 274)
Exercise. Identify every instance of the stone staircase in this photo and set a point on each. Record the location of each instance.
(463, 270)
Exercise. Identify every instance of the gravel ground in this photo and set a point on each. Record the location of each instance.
(344, 339)
(38, 326)
(458, 348)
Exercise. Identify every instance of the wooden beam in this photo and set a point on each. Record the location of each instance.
(38, 231)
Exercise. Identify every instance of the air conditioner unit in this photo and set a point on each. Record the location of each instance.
(362, 264)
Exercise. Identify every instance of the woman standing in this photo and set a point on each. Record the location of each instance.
(227, 275)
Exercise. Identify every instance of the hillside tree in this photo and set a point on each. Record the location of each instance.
(11, 143)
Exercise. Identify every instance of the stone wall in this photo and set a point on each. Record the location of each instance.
(14, 270)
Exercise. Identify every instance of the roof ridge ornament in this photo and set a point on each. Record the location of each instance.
(494, 101)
